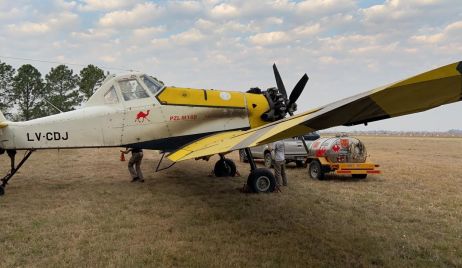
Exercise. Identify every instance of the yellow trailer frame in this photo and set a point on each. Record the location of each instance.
(357, 170)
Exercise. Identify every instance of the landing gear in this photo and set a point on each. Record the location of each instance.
(12, 154)
(225, 167)
(260, 180)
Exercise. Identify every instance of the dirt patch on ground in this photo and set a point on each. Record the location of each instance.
(78, 208)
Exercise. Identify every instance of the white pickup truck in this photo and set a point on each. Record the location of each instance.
(294, 150)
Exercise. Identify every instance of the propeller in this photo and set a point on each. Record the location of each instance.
(281, 105)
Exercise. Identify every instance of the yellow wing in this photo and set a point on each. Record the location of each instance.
(419, 93)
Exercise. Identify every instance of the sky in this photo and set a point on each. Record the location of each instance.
(346, 47)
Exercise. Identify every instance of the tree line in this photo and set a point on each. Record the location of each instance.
(25, 94)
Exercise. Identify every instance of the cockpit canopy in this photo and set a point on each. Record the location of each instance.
(116, 89)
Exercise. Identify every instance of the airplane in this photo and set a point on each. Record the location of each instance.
(136, 110)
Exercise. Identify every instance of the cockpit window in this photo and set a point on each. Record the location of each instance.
(152, 84)
(111, 96)
(132, 90)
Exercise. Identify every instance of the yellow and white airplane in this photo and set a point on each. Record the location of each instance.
(136, 110)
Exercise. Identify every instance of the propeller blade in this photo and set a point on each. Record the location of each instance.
(279, 82)
(298, 89)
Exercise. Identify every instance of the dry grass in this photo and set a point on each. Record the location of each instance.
(77, 208)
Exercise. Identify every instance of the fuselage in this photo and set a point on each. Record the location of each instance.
(136, 111)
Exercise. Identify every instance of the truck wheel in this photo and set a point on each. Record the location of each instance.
(243, 156)
(299, 163)
(315, 170)
(261, 180)
(268, 160)
(225, 168)
(359, 176)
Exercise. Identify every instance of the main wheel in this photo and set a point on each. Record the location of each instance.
(261, 180)
(243, 156)
(2, 190)
(359, 176)
(225, 168)
(268, 160)
(315, 170)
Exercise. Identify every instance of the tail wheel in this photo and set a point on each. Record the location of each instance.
(261, 180)
(225, 168)
(268, 160)
(315, 170)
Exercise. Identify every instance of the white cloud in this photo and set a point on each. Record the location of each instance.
(188, 37)
(139, 15)
(306, 31)
(322, 7)
(148, 32)
(283, 37)
(93, 34)
(52, 23)
(270, 38)
(160, 43)
(27, 28)
(224, 11)
(103, 5)
(184, 7)
(451, 31)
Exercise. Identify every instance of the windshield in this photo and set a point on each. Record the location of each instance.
(132, 90)
(152, 84)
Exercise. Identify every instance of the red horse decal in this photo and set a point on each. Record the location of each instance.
(142, 115)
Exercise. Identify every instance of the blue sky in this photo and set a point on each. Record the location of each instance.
(345, 46)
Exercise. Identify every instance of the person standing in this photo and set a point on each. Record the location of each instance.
(134, 164)
(279, 163)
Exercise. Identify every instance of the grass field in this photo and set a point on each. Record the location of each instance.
(77, 208)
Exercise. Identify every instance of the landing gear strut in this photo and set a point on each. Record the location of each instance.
(260, 180)
(12, 154)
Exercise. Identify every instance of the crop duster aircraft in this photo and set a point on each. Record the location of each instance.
(136, 110)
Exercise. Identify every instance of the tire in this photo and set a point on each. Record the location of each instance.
(261, 180)
(2, 190)
(243, 156)
(225, 168)
(268, 160)
(299, 163)
(359, 176)
(315, 170)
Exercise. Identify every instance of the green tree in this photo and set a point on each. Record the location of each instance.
(61, 90)
(91, 78)
(28, 91)
(6, 87)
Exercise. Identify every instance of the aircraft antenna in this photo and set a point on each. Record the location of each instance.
(53, 106)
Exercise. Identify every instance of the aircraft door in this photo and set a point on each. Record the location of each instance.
(143, 120)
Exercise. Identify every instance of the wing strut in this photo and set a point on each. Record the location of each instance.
(164, 168)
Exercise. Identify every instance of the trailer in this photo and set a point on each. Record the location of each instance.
(341, 155)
